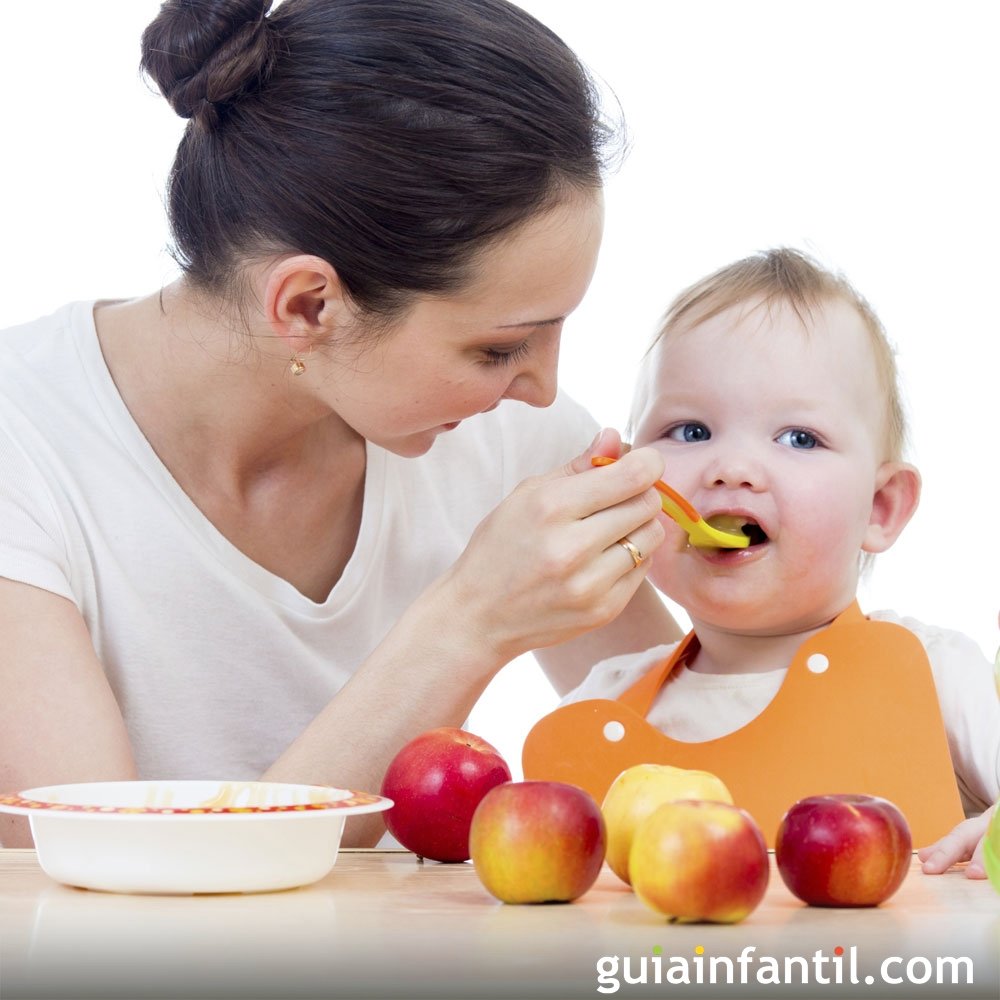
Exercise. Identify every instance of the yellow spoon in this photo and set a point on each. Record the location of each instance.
(700, 533)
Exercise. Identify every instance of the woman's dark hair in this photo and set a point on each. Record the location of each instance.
(392, 138)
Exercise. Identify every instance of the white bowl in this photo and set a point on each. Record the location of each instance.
(188, 836)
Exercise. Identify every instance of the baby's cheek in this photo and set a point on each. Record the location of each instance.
(831, 546)
(665, 571)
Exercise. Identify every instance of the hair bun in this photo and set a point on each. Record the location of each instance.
(203, 54)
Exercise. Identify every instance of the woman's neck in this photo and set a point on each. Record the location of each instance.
(216, 401)
(277, 472)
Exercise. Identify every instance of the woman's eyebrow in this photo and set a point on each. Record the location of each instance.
(532, 322)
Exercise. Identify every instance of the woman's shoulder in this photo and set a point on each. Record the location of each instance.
(44, 344)
(19, 335)
(47, 367)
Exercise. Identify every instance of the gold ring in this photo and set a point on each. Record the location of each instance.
(633, 550)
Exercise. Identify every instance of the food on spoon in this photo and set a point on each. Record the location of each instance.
(733, 524)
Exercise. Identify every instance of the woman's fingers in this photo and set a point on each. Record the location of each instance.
(632, 550)
(623, 495)
(634, 520)
(607, 444)
(564, 553)
(635, 547)
(585, 489)
(585, 513)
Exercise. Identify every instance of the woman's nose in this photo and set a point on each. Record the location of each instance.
(537, 378)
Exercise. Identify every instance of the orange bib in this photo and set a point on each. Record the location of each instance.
(857, 713)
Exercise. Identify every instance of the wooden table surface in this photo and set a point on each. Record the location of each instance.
(382, 924)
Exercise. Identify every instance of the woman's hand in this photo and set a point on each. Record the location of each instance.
(964, 843)
(547, 565)
(608, 443)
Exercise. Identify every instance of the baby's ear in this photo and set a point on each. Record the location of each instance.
(897, 493)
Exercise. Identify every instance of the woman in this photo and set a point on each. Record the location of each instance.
(245, 522)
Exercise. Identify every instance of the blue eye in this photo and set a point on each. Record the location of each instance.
(692, 432)
(798, 438)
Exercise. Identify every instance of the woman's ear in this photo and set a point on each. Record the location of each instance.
(897, 493)
(304, 302)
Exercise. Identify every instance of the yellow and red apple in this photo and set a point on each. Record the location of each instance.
(699, 861)
(641, 789)
(436, 782)
(843, 850)
(537, 842)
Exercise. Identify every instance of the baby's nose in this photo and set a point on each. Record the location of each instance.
(736, 470)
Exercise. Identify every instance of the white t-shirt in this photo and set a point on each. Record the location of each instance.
(217, 664)
(693, 707)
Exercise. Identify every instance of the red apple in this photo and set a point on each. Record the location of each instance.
(435, 782)
(843, 850)
(537, 842)
(696, 861)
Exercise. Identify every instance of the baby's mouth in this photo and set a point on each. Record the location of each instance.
(736, 524)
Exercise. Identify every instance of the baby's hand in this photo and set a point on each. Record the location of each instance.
(964, 843)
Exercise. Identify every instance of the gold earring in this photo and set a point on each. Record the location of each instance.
(296, 366)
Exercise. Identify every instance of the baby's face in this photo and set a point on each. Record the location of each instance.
(778, 425)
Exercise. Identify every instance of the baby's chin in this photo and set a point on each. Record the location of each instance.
(729, 608)
(755, 623)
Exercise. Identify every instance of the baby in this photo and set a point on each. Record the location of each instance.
(771, 391)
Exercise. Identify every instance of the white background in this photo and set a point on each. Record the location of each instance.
(863, 131)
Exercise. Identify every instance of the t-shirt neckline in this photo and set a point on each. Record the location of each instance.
(266, 583)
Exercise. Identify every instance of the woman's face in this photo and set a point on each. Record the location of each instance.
(456, 355)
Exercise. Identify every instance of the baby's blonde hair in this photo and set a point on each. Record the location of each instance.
(790, 276)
